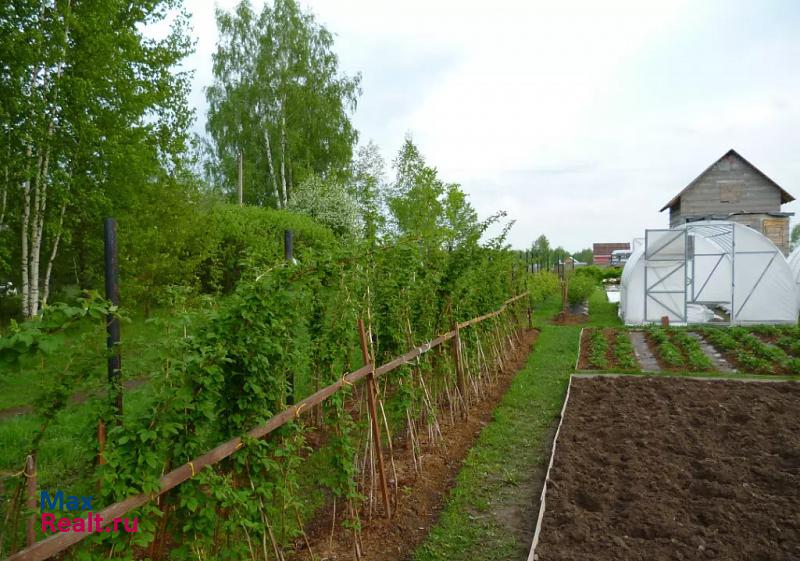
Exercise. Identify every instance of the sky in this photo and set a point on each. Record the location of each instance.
(580, 119)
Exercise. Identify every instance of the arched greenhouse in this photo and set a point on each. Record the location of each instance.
(708, 271)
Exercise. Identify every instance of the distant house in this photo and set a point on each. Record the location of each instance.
(601, 252)
(734, 189)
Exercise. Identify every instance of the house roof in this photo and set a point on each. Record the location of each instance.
(786, 197)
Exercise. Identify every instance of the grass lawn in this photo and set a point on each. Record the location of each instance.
(602, 313)
(144, 345)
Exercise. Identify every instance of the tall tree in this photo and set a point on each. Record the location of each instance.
(795, 240)
(368, 188)
(541, 252)
(85, 95)
(416, 198)
(584, 255)
(279, 102)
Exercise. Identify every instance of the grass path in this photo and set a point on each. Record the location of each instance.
(490, 513)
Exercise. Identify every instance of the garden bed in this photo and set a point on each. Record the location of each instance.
(609, 350)
(676, 351)
(675, 468)
(758, 349)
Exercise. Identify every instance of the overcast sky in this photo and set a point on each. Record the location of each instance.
(579, 118)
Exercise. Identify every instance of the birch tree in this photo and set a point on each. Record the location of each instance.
(83, 91)
(279, 99)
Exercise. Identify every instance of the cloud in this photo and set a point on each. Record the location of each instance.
(580, 118)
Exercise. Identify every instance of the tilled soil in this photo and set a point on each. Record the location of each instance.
(420, 498)
(668, 468)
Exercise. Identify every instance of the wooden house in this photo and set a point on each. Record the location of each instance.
(734, 189)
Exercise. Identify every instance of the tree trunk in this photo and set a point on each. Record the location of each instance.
(6, 184)
(26, 214)
(283, 156)
(272, 169)
(41, 186)
(37, 226)
(53, 253)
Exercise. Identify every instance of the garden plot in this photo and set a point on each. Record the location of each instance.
(609, 350)
(759, 349)
(674, 468)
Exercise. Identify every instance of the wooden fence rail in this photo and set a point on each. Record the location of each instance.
(56, 543)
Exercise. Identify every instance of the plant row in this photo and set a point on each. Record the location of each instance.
(750, 353)
(608, 350)
(285, 327)
(678, 350)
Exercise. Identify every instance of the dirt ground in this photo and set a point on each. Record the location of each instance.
(669, 468)
(419, 499)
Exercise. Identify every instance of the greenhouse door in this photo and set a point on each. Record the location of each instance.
(665, 275)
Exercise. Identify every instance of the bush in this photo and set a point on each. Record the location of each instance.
(541, 285)
(592, 271)
(580, 287)
(211, 249)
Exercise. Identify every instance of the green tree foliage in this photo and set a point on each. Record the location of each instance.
(278, 100)
(368, 188)
(92, 118)
(542, 253)
(795, 236)
(584, 256)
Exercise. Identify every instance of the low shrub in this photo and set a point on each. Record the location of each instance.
(541, 285)
(579, 288)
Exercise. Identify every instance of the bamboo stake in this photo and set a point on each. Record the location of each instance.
(462, 387)
(30, 474)
(373, 414)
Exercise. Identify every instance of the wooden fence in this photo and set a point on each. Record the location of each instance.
(58, 542)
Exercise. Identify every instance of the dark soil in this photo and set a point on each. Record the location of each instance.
(583, 361)
(420, 499)
(569, 319)
(668, 468)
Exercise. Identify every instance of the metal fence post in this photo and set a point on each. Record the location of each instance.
(372, 391)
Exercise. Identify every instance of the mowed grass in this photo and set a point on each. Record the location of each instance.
(498, 478)
(144, 344)
(602, 313)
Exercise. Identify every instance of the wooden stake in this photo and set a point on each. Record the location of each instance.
(462, 387)
(372, 391)
(30, 474)
(101, 442)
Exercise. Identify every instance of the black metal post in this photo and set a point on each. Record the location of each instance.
(288, 245)
(112, 322)
(288, 250)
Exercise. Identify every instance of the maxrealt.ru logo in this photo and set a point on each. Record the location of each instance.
(90, 523)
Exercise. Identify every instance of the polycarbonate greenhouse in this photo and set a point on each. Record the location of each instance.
(708, 271)
(794, 264)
